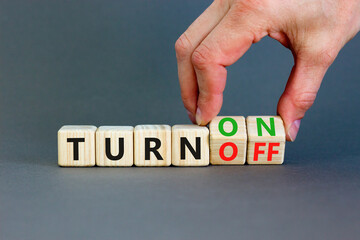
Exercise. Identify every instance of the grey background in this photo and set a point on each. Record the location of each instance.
(113, 63)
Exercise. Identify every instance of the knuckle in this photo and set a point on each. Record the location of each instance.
(250, 5)
(183, 46)
(304, 101)
(201, 56)
(327, 57)
(223, 3)
(323, 57)
(252, 16)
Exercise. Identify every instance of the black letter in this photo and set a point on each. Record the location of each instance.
(184, 142)
(108, 149)
(76, 146)
(148, 149)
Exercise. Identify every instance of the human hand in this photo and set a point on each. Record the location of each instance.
(314, 30)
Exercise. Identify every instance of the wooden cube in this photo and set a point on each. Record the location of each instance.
(266, 140)
(76, 146)
(190, 145)
(152, 145)
(115, 146)
(228, 140)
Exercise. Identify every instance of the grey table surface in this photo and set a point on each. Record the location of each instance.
(113, 63)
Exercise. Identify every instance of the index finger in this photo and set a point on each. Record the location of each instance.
(186, 45)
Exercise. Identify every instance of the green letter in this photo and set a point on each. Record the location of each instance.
(221, 127)
(270, 130)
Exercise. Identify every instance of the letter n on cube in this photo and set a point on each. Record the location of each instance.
(190, 145)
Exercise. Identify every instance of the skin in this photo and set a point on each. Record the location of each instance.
(314, 31)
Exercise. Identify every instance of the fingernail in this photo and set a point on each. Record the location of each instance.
(294, 129)
(191, 116)
(198, 117)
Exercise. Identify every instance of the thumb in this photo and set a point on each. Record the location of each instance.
(300, 92)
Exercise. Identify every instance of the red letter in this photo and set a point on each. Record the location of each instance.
(271, 151)
(222, 149)
(257, 151)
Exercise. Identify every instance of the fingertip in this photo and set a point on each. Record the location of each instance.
(199, 119)
(207, 108)
(293, 130)
(191, 117)
(287, 112)
(204, 116)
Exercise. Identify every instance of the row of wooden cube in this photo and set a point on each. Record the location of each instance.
(228, 140)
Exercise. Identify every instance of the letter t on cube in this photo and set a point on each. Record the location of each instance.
(76, 146)
(266, 140)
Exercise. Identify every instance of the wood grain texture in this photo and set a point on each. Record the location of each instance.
(217, 139)
(161, 132)
(190, 132)
(267, 154)
(86, 149)
(114, 133)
